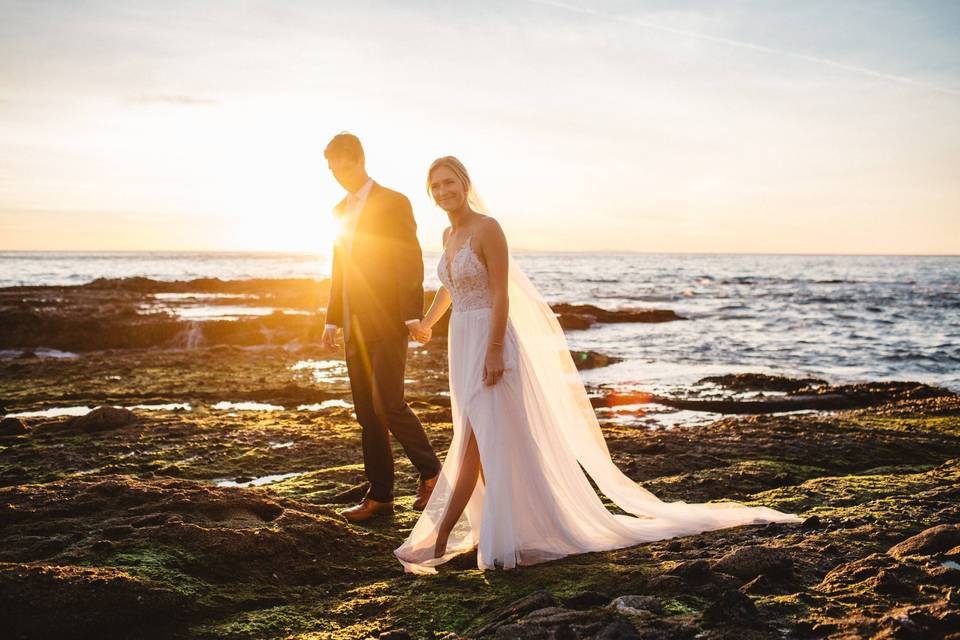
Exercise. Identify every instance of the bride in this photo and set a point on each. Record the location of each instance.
(515, 484)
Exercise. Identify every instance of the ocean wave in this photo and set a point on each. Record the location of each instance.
(636, 298)
(828, 301)
(918, 357)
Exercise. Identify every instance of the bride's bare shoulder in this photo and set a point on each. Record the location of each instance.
(491, 240)
(490, 230)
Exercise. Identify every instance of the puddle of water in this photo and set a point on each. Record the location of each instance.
(673, 418)
(191, 306)
(713, 391)
(282, 445)
(55, 412)
(59, 412)
(318, 364)
(173, 406)
(228, 312)
(205, 296)
(326, 404)
(247, 406)
(257, 482)
(653, 416)
(41, 352)
(324, 370)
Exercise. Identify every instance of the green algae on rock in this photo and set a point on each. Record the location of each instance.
(107, 516)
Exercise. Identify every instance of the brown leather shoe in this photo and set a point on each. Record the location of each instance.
(424, 489)
(367, 509)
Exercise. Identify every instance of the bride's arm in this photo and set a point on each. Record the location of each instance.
(441, 301)
(494, 246)
(439, 306)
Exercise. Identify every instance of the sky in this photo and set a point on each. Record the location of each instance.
(655, 126)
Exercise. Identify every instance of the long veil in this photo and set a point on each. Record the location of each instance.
(546, 419)
(565, 408)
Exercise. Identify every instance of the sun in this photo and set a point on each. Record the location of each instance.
(289, 233)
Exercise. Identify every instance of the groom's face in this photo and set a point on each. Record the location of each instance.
(348, 172)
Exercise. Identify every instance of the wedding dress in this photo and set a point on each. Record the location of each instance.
(538, 439)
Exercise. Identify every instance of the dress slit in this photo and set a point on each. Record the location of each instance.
(476, 495)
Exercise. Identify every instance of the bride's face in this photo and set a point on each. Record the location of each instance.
(447, 190)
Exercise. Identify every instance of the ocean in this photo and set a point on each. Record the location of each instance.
(842, 318)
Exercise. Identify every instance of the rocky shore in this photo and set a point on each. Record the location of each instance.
(137, 313)
(201, 501)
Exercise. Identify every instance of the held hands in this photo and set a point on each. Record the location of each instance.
(420, 332)
(493, 365)
(329, 338)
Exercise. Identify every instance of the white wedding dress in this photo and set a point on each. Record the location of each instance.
(538, 439)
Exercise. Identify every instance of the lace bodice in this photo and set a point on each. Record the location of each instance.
(465, 277)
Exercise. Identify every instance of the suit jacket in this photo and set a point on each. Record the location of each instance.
(382, 273)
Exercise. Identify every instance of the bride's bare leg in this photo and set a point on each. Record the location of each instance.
(462, 490)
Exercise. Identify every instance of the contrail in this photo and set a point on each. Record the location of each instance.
(749, 45)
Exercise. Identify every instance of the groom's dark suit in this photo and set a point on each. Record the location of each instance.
(377, 285)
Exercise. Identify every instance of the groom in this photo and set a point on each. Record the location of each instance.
(376, 297)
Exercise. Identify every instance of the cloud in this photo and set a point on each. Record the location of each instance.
(177, 100)
(646, 24)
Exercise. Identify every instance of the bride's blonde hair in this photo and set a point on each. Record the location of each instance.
(454, 165)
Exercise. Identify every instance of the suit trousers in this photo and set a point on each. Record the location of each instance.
(376, 370)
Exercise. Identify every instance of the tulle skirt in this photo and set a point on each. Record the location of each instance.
(534, 502)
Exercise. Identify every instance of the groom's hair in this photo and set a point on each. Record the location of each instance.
(344, 146)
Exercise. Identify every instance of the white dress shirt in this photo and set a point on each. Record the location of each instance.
(351, 212)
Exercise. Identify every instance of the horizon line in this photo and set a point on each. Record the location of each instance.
(513, 251)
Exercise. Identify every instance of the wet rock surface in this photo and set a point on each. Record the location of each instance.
(762, 382)
(935, 540)
(125, 521)
(822, 397)
(583, 316)
(754, 561)
(592, 359)
(102, 418)
(12, 427)
(139, 313)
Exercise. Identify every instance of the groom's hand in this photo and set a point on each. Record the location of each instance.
(329, 338)
(420, 332)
